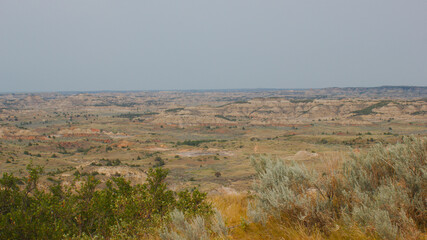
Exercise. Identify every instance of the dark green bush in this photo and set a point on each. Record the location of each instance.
(158, 162)
(174, 110)
(194, 143)
(85, 210)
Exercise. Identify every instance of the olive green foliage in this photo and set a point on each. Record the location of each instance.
(194, 143)
(192, 203)
(174, 110)
(383, 192)
(119, 209)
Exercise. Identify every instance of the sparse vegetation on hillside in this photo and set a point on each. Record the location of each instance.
(194, 142)
(368, 110)
(225, 118)
(174, 110)
(130, 115)
(301, 100)
(419, 113)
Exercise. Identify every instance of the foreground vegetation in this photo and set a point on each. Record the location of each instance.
(381, 193)
(82, 210)
(375, 195)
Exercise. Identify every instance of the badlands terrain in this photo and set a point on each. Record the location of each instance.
(205, 138)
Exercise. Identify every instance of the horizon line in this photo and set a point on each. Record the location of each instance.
(203, 90)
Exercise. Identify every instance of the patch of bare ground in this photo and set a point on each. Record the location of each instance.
(198, 153)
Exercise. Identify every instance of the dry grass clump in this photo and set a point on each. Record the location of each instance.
(194, 228)
(382, 192)
(234, 208)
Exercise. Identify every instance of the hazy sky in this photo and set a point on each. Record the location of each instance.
(144, 45)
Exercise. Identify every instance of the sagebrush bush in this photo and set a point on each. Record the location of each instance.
(194, 228)
(390, 180)
(279, 187)
(383, 191)
(287, 190)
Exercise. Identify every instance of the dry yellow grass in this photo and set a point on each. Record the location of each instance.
(233, 208)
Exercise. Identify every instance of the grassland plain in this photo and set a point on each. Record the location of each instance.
(205, 139)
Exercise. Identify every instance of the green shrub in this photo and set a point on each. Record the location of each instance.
(158, 162)
(119, 209)
(192, 203)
